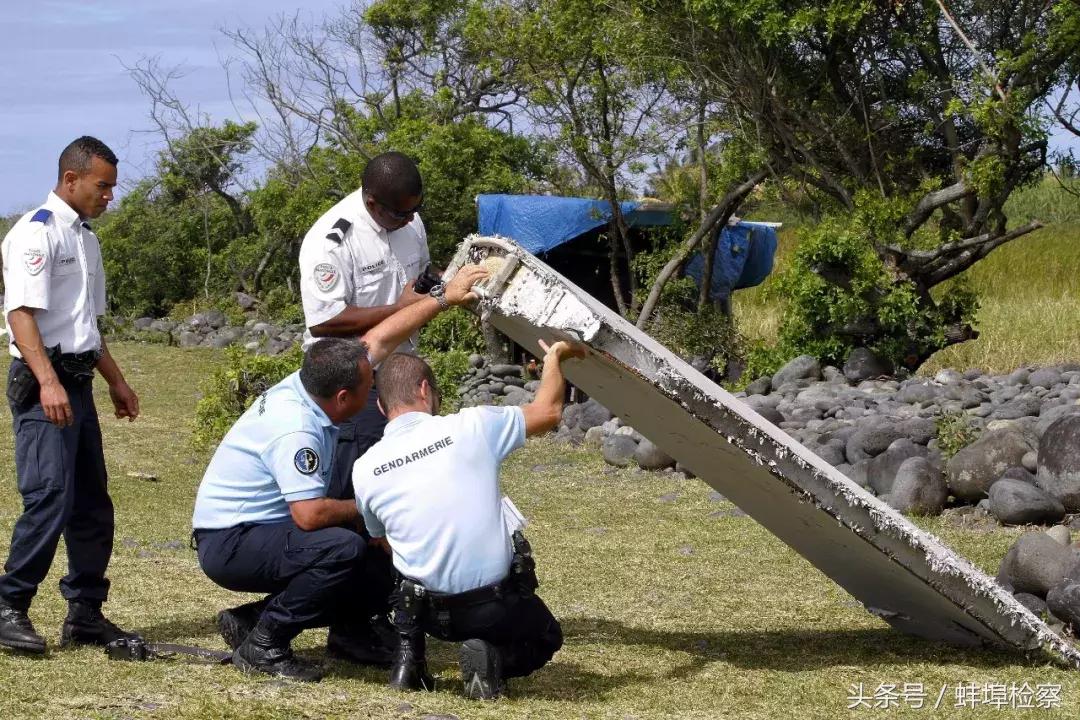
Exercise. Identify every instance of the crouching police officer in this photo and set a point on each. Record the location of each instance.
(430, 488)
(263, 522)
(54, 292)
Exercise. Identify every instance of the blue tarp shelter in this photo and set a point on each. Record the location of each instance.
(540, 223)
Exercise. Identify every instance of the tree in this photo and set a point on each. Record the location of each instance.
(913, 121)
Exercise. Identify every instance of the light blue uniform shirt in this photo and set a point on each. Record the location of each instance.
(431, 487)
(278, 452)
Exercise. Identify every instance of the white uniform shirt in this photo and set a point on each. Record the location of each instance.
(431, 487)
(349, 259)
(52, 263)
(280, 450)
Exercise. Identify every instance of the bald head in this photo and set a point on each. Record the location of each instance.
(392, 177)
(399, 379)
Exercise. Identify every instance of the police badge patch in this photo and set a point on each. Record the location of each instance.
(34, 260)
(306, 461)
(326, 276)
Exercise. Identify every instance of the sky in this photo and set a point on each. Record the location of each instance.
(62, 75)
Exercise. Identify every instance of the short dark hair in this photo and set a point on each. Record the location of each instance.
(392, 177)
(399, 378)
(334, 364)
(77, 155)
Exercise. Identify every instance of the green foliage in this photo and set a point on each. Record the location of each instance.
(839, 295)
(954, 432)
(231, 389)
(281, 305)
(446, 343)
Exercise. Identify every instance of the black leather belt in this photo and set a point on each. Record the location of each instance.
(476, 596)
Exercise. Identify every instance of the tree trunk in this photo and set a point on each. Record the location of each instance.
(495, 344)
(716, 217)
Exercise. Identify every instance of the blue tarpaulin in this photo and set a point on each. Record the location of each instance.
(540, 223)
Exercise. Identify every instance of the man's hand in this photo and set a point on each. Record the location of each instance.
(563, 350)
(459, 290)
(124, 400)
(55, 403)
(381, 543)
(409, 296)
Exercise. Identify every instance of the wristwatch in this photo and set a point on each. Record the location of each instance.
(438, 291)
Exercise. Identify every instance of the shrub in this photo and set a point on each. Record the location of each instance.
(231, 389)
(282, 306)
(446, 343)
(954, 433)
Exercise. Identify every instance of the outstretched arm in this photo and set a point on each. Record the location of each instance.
(391, 332)
(545, 411)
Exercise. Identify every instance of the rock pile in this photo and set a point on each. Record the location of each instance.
(212, 329)
(495, 384)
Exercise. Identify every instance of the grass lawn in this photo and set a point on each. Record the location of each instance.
(673, 604)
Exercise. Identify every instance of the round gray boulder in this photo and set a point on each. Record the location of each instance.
(804, 367)
(973, 469)
(651, 457)
(1063, 601)
(1036, 562)
(862, 364)
(618, 450)
(1015, 502)
(919, 488)
(1059, 461)
(1047, 378)
(883, 469)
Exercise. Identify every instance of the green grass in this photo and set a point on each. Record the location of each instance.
(672, 605)
(1029, 291)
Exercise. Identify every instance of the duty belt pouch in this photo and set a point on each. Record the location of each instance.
(22, 386)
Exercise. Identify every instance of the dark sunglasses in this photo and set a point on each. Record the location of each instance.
(397, 214)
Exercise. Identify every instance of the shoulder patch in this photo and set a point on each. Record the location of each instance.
(306, 461)
(337, 232)
(34, 260)
(42, 215)
(326, 276)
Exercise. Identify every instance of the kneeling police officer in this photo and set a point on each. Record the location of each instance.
(263, 522)
(430, 488)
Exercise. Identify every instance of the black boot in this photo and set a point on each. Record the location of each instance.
(235, 624)
(409, 671)
(481, 670)
(85, 625)
(260, 652)
(16, 630)
(359, 643)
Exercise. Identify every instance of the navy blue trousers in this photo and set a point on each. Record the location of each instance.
(519, 624)
(355, 436)
(317, 578)
(62, 480)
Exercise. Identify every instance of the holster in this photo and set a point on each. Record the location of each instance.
(523, 566)
(409, 604)
(22, 386)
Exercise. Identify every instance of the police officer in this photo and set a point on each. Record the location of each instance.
(263, 520)
(54, 292)
(430, 488)
(358, 264)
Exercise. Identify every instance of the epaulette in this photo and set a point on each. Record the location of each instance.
(87, 226)
(337, 232)
(42, 215)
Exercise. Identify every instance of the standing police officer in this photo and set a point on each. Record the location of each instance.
(54, 292)
(358, 264)
(264, 521)
(430, 487)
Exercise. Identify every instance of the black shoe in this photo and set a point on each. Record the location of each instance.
(359, 644)
(409, 671)
(260, 653)
(235, 624)
(85, 625)
(17, 632)
(481, 670)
